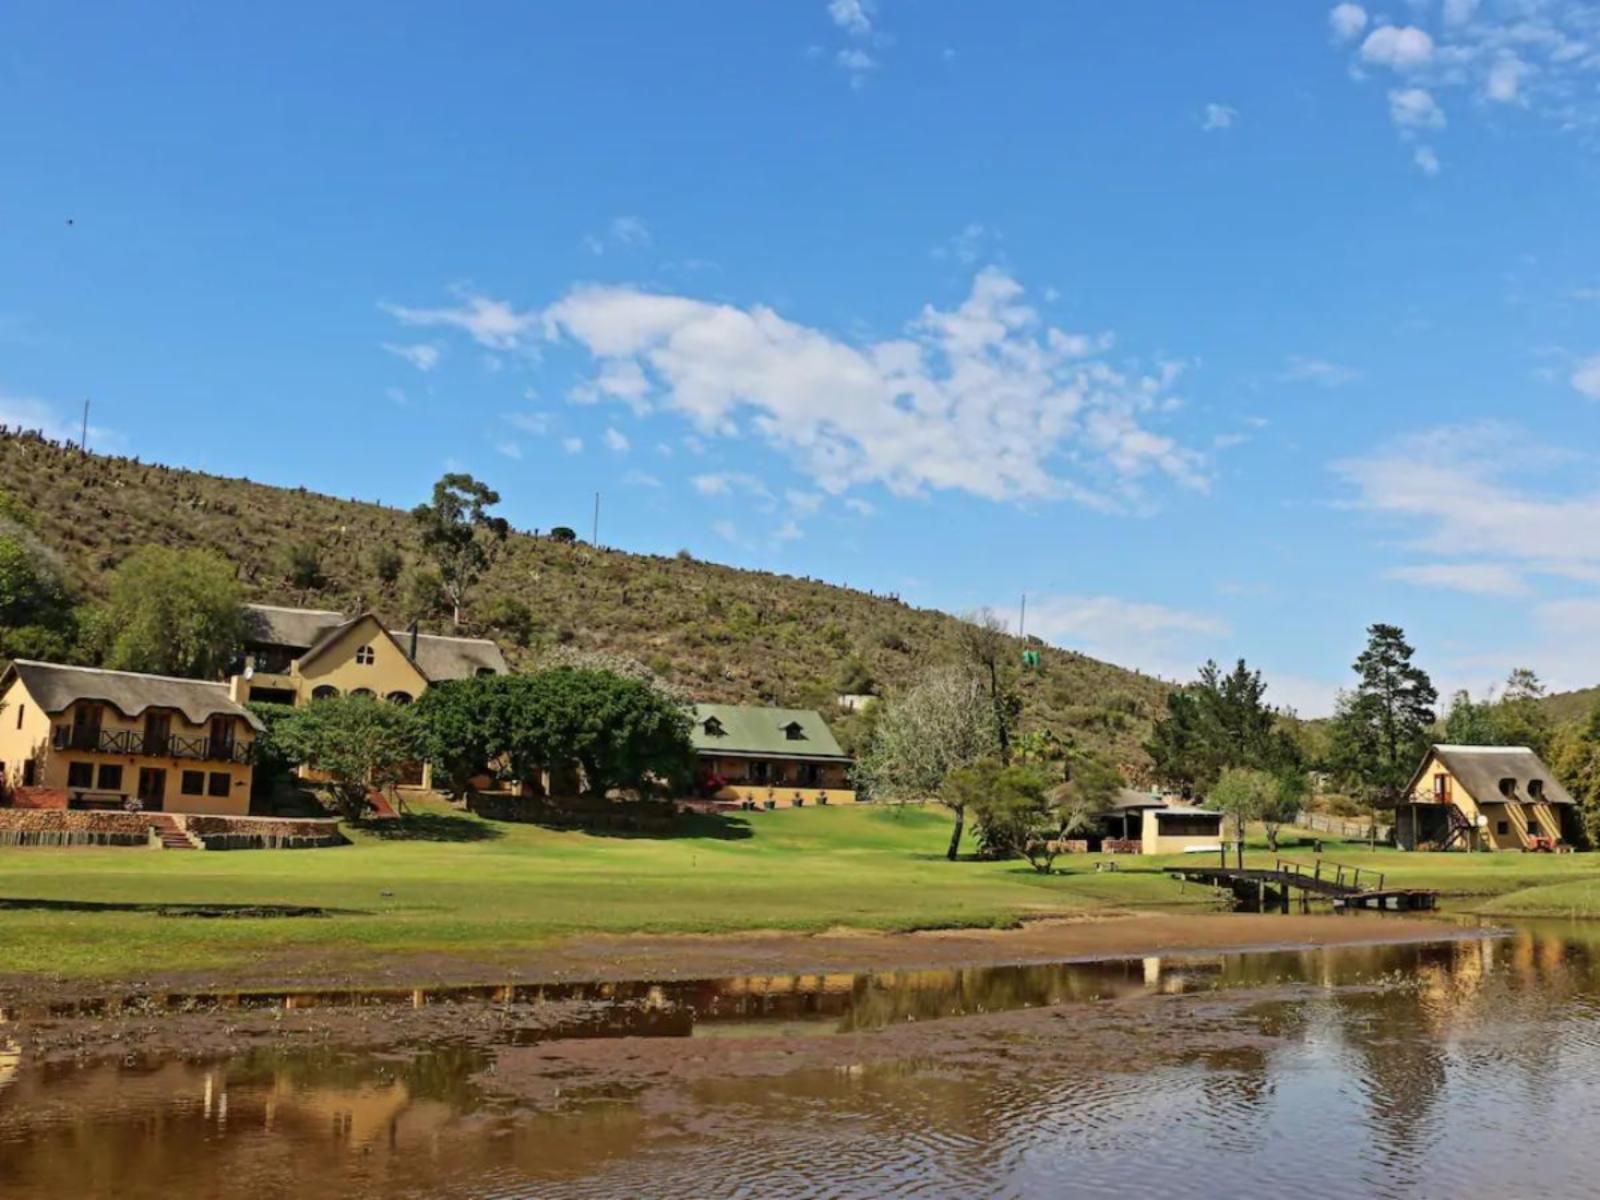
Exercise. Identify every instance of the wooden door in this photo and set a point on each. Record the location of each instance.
(157, 734)
(152, 788)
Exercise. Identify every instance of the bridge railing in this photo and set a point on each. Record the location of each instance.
(1338, 874)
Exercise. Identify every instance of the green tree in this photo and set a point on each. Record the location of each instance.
(171, 612)
(271, 761)
(1520, 717)
(942, 723)
(1287, 803)
(1009, 805)
(1381, 728)
(1575, 759)
(37, 618)
(1244, 794)
(1469, 722)
(361, 744)
(302, 566)
(1217, 722)
(423, 594)
(465, 726)
(511, 617)
(387, 564)
(459, 534)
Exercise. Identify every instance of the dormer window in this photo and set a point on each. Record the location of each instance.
(713, 727)
(366, 656)
(1508, 787)
(794, 731)
(1536, 788)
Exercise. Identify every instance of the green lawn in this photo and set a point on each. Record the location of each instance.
(505, 886)
(474, 887)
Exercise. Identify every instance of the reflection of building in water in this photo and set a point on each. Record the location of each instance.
(10, 1061)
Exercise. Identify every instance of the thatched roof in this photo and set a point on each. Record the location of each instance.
(55, 688)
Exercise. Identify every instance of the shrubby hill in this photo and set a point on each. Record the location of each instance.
(715, 632)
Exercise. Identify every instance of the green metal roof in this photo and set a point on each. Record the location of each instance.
(748, 729)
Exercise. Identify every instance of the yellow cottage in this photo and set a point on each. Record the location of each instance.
(78, 737)
(1484, 798)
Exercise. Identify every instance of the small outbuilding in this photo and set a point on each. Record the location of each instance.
(1159, 825)
(1486, 798)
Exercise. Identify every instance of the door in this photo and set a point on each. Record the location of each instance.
(220, 745)
(152, 788)
(157, 734)
(86, 727)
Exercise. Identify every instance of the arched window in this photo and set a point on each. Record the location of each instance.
(365, 656)
(325, 692)
(485, 672)
(398, 697)
(366, 692)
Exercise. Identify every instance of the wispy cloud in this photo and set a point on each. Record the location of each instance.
(1586, 378)
(492, 323)
(572, 445)
(1320, 371)
(1157, 638)
(1478, 579)
(1218, 116)
(40, 416)
(856, 21)
(424, 356)
(623, 233)
(617, 441)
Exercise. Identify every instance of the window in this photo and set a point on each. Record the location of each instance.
(1508, 787)
(1502, 827)
(398, 697)
(325, 692)
(485, 672)
(21, 708)
(30, 772)
(368, 693)
(1536, 788)
(80, 775)
(713, 727)
(794, 731)
(220, 784)
(365, 656)
(193, 783)
(110, 778)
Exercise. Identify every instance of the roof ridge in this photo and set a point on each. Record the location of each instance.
(442, 637)
(321, 612)
(34, 662)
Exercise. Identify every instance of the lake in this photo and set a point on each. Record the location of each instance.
(1462, 1068)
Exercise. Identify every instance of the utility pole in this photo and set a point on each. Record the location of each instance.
(594, 537)
(83, 442)
(1022, 617)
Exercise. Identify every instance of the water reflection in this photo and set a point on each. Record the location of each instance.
(1376, 1071)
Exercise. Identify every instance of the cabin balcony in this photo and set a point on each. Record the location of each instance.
(136, 743)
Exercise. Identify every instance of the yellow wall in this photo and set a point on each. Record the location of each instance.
(1154, 842)
(390, 671)
(35, 736)
(1513, 813)
(24, 732)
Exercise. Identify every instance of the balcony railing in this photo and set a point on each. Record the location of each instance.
(134, 742)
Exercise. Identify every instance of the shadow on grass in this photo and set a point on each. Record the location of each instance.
(432, 827)
(721, 827)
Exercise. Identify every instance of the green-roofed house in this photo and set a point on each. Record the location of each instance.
(769, 757)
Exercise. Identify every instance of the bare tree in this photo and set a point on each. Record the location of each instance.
(942, 723)
(986, 646)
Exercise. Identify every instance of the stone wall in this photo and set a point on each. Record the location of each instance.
(64, 827)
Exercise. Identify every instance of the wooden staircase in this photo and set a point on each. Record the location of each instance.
(172, 837)
(1460, 827)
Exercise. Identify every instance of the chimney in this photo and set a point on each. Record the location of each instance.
(413, 650)
(239, 688)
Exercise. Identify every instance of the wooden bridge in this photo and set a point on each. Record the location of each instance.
(1345, 886)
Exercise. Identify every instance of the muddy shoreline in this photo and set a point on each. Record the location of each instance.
(198, 1017)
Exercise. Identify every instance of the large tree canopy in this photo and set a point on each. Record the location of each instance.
(359, 743)
(171, 612)
(1217, 722)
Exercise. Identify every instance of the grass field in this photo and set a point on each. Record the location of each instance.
(457, 885)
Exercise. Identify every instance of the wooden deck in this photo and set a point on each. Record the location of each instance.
(1345, 886)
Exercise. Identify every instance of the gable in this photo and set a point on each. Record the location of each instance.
(341, 660)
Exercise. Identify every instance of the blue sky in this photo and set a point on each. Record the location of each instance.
(1218, 330)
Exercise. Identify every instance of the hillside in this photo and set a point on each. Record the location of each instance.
(715, 632)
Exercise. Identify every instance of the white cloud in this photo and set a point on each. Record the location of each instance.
(1400, 49)
(1347, 21)
(1415, 108)
(492, 323)
(725, 483)
(640, 479)
(1587, 377)
(617, 441)
(1426, 159)
(852, 16)
(536, 423)
(857, 62)
(1504, 85)
(1457, 488)
(1153, 637)
(623, 233)
(422, 355)
(983, 398)
(1478, 579)
(967, 246)
(1218, 116)
(862, 508)
(1317, 370)
(572, 445)
(1459, 12)
(726, 530)
(510, 449)
(789, 531)
(804, 504)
